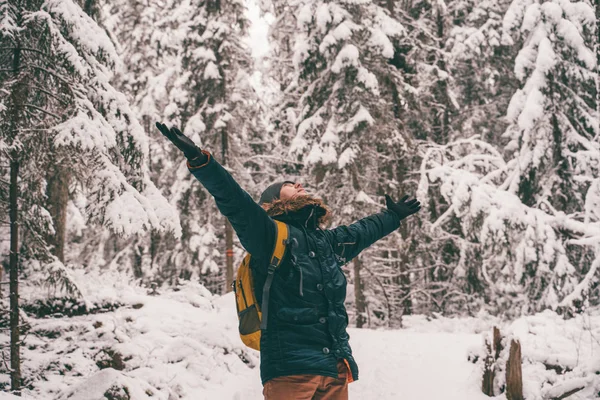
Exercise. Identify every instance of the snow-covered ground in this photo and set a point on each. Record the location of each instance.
(413, 365)
(184, 345)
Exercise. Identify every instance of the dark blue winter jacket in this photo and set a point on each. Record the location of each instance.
(307, 320)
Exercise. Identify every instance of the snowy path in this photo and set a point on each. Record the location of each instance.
(415, 366)
(404, 365)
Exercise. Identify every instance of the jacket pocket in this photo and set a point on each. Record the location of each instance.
(342, 247)
(298, 315)
(249, 320)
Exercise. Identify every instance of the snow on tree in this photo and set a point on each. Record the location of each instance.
(554, 121)
(278, 74)
(463, 79)
(211, 99)
(162, 44)
(527, 216)
(342, 106)
(147, 37)
(426, 115)
(481, 66)
(63, 120)
(64, 128)
(282, 33)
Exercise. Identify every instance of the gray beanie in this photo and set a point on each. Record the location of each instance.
(271, 193)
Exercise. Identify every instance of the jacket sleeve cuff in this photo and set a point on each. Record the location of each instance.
(193, 167)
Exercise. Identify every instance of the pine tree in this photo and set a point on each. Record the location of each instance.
(423, 57)
(282, 93)
(63, 125)
(473, 95)
(162, 44)
(530, 222)
(344, 110)
(213, 102)
(147, 36)
(554, 131)
(278, 74)
(482, 68)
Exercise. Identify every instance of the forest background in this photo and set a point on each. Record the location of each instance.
(487, 111)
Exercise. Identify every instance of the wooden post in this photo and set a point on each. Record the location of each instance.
(493, 349)
(514, 377)
(497, 342)
(487, 383)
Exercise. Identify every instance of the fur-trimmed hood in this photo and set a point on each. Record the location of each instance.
(306, 211)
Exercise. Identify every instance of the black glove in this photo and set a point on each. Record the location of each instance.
(183, 143)
(402, 208)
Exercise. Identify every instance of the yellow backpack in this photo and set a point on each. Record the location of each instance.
(252, 320)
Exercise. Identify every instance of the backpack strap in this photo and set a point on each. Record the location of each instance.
(278, 254)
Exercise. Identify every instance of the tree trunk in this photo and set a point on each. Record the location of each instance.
(15, 359)
(359, 295)
(58, 197)
(91, 8)
(402, 254)
(154, 244)
(228, 227)
(18, 97)
(138, 260)
(597, 46)
(493, 350)
(319, 171)
(229, 256)
(403, 280)
(407, 305)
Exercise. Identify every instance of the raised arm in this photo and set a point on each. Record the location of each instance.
(349, 241)
(255, 229)
(250, 221)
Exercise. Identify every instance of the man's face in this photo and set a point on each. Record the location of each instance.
(291, 190)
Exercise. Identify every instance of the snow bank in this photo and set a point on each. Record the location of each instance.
(109, 381)
(180, 344)
(558, 355)
(8, 396)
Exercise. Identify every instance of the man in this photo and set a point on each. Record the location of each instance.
(304, 351)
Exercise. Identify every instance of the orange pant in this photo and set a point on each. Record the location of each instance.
(309, 387)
